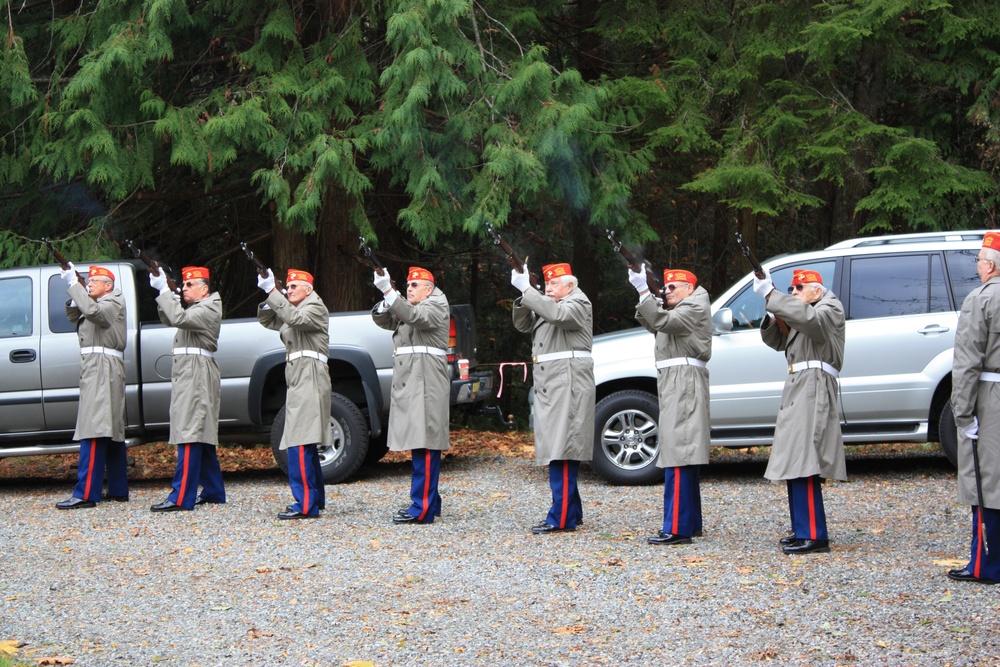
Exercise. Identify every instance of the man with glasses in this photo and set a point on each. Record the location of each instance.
(98, 311)
(421, 387)
(975, 398)
(562, 336)
(683, 330)
(808, 444)
(195, 388)
(304, 324)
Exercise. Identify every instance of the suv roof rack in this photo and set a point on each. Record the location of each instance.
(899, 239)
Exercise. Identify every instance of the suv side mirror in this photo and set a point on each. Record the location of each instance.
(722, 321)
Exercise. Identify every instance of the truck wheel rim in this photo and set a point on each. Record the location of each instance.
(329, 454)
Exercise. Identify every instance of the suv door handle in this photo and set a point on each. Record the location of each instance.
(933, 329)
(22, 356)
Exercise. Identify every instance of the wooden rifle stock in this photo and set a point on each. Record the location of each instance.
(153, 265)
(758, 270)
(511, 257)
(376, 265)
(651, 281)
(261, 269)
(63, 262)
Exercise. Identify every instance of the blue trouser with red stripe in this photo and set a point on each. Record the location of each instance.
(425, 501)
(682, 500)
(805, 504)
(305, 476)
(97, 456)
(567, 507)
(985, 565)
(197, 463)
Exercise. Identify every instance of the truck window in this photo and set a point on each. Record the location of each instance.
(15, 307)
(897, 285)
(962, 270)
(58, 322)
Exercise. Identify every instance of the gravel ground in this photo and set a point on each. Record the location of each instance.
(232, 585)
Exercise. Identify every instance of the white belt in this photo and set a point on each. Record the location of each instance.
(802, 365)
(989, 377)
(681, 361)
(552, 356)
(194, 350)
(292, 356)
(420, 349)
(111, 352)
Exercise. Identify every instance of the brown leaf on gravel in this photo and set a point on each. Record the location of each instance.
(254, 633)
(615, 562)
(766, 654)
(55, 660)
(570, 630)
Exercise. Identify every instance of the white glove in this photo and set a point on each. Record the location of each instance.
(383, 282)
(638, 280)
(763, 286)
(390, 298)
(972, 430)
(266, 283)
(69, 275)
(520, 280)
(159, 283)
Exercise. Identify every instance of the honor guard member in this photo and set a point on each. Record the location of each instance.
(304, 321)
(194, 388)
(808, 444)
(561, 328)
(98, 311)
(683, 332)
(421, 387)
(975, 398)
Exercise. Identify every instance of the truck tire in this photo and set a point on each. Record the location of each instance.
(350, 441)
(948, 433)
(626, 438)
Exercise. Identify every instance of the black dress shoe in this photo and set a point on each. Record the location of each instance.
(75, 503)
(289, 514)
(204, 501)
(807, 547)
(546, 528)
(965, 575)
(167, 506)
(407, 518)
(667, 538)
(788, 539)
(117, 499)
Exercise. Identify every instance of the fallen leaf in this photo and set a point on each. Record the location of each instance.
(614, 562)
(221, 608)
(950, 562)
(359, 663)
(9, 647)
(570, 630)
(55, 660)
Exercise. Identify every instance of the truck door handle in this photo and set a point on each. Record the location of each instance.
(22, 356)
(933, 329)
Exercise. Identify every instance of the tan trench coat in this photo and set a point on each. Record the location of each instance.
(421, 387)
(564, 388)
(195, 381)
(977, 350)
(99, 323)
(682, 331)
(807, 437)
(307, 401)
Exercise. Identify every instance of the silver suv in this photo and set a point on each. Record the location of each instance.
(901, 294)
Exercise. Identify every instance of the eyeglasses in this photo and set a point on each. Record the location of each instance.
(416, 285)
(672, 286)
(191, 283)
(295, 285)
(796, 288)
(982, 259)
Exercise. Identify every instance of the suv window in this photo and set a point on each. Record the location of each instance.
(889, 286)
(58, 322)
(15, 307)
(962, 269)
(748, 308)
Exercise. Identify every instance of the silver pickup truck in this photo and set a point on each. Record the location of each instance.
(40, 373)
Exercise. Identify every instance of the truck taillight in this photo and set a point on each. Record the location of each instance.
(452, 340)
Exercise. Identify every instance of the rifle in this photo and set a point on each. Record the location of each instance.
(512, 259)
(63, 262)
(651, 282)
(366, 250)
(261, 269)
(153, 265)
(758, 270)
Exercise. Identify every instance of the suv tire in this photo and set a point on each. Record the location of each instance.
(350, 441)
(948, 433)
(626, 437)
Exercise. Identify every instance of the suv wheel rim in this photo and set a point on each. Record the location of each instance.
(629, 439)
